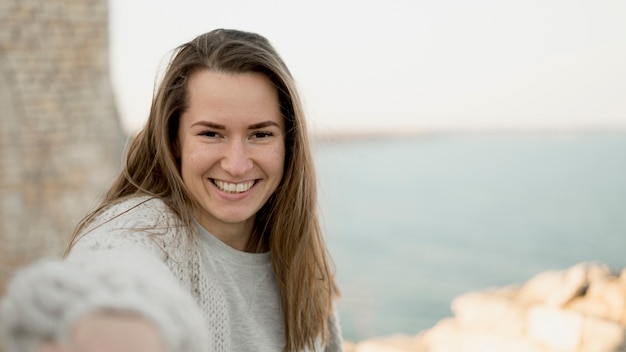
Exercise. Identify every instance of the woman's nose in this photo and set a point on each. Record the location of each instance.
(236, 160)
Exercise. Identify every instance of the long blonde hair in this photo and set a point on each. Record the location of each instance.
(288, 223)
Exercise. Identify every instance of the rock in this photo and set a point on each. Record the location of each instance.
(555, 328)
(587, 307)
(605, 297)
(447, 336)
(598, 271)
(612, 294)
(599, 335)
(494, 310)
(556, 288)
(396, 343)
(622, 277)
(581, 309)
(348, 346)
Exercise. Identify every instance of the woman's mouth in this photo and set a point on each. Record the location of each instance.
(233, 187)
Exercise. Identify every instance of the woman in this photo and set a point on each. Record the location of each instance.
(220, 186)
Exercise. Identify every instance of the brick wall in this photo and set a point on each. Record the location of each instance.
(60, 137)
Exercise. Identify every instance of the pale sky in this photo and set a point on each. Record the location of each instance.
(393, 65)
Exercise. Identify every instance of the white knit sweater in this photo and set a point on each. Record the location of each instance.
(147, 225)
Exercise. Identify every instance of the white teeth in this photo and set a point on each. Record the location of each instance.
(233, 187)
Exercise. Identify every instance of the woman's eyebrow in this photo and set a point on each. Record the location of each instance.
(209, 124)
(263, 125)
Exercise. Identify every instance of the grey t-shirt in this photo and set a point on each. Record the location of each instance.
(254, 311)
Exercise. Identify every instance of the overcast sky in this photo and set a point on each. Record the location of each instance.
(410, 64)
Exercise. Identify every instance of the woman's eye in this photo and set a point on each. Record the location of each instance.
(210, 134)
(262, 134)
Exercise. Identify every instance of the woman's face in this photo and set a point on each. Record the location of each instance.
(232, 148)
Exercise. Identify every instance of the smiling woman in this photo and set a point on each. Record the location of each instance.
(220, 187)
(232, 150)
(274, 262)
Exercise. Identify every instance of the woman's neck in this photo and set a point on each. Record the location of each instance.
(236, 236)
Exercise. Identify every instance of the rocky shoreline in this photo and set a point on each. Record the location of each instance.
(580, 309)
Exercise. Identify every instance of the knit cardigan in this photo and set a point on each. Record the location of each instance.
(147, 225)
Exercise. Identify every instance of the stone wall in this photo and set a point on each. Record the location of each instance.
(581, 309)
(60, 137)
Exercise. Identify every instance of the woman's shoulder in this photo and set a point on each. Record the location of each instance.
(140, 212)
(137, 207)
(141, 221)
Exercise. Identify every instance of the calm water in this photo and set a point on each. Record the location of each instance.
(413, 223)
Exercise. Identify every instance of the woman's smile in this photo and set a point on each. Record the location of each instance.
(229, 187)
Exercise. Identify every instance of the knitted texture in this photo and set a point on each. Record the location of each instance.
(147, 225)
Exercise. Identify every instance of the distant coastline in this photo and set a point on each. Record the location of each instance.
(337, 136)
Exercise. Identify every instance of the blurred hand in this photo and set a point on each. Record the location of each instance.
(111, 332)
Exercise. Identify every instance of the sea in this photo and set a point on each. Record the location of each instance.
(412, 222)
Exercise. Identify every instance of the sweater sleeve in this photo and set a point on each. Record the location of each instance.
(143, 238)
(46, 300)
